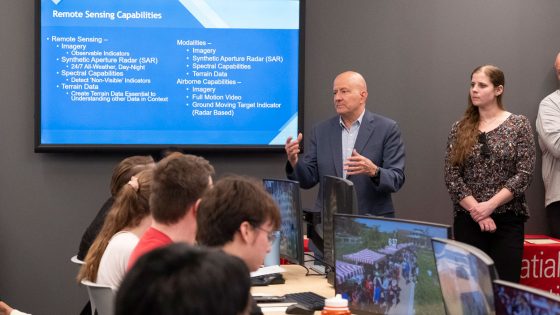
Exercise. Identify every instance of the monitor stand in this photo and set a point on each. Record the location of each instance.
(318, 269)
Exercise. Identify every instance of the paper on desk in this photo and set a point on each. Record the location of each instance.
(273, 309)
(275, 305)
(541, 241)
(267, 270)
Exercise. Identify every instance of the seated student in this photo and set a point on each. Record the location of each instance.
(239, 216)
(178, 183)
(121, 175)
(127, 221)
(184, 280)
(5, 309)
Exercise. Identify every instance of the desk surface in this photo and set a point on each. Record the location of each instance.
(296, 281)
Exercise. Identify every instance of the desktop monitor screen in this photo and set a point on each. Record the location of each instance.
(338, 197)
(466, 274)
(145, 74)
(513, 298)
(286, 194)
(386, 266)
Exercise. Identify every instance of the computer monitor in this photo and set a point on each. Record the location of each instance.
(287, 196)
(513, 298)
(338, 197)
(387, 266)
(465, 274)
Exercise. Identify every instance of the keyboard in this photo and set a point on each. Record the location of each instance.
(308, 299)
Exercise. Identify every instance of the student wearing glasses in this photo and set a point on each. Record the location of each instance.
(489, 164)
(240, 217)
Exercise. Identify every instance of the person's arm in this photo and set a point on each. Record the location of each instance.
(292, 149)
(518, 183)
(485, 208)
(388, 177)
(306, 169)
(5, 309)
(391, 172)
(468, 203)
(458, 190)
(359, 164)
(486, 223)
(548, 126)
(525, 164)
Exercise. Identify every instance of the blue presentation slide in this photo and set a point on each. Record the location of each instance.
(178, 72)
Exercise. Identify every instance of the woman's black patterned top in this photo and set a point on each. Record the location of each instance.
(504, 159)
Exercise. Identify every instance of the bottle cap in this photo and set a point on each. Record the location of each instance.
(336, 302)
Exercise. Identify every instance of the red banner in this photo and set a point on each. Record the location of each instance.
(540, 267)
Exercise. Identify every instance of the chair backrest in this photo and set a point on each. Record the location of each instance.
(75, 260)
(101, 297)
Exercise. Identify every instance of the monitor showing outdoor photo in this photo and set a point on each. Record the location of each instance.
(514, 298)
(466, 274)
(286, 194)
(387, 266)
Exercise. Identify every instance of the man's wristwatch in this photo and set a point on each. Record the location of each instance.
(376, 173)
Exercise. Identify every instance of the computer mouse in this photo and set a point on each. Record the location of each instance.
(298, 309)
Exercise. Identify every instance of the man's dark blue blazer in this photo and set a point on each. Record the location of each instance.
(379, 139)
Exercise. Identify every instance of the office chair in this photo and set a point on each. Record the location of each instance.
(75, 260)
(101, 298)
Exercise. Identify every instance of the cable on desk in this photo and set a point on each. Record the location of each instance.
(328, 267)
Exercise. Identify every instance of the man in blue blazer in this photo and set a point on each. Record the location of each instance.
(357, 144)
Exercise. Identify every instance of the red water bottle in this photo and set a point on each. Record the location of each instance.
(336, 306)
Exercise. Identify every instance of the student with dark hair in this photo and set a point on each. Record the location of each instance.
(240, 217)
(179, 181)
(122, 173)
(182, 280)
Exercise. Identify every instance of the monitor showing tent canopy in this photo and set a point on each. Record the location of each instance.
(386, 266)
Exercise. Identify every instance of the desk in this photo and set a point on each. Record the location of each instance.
(540, 267)
(296, 281)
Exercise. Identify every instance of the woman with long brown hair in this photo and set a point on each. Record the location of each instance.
(489, 164)
(127, 220)
(122, 172)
